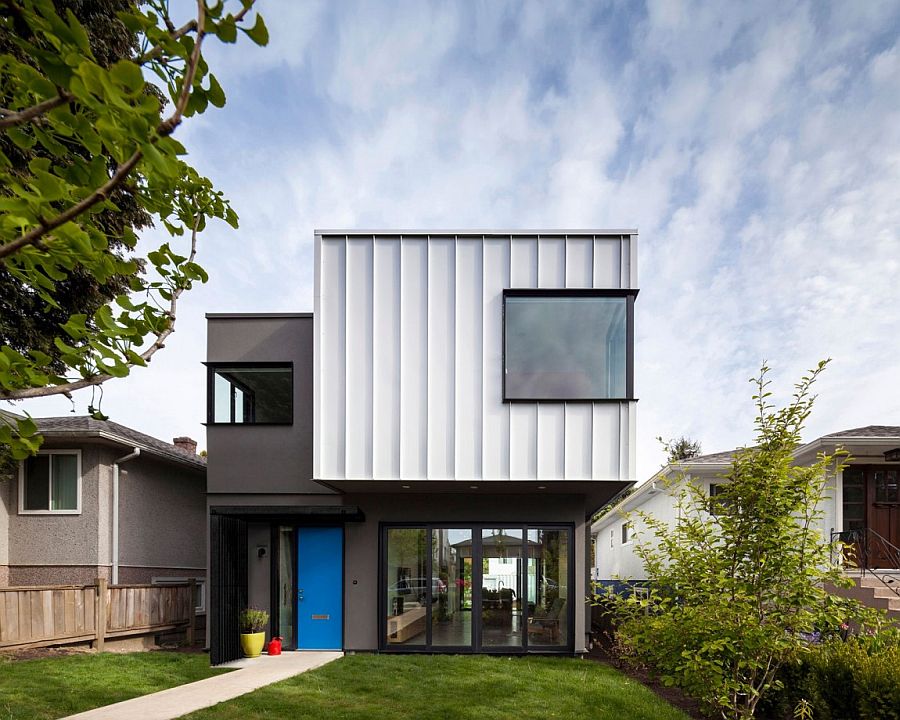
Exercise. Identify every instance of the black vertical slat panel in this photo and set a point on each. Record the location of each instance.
(228, 586)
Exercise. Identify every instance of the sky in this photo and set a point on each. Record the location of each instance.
(756, 147)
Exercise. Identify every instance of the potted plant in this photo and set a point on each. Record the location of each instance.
(253, 631)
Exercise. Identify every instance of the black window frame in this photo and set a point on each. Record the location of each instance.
(212, 367)
(475, 647)
(628, 293)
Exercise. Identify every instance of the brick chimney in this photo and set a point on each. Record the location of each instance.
(185, 443)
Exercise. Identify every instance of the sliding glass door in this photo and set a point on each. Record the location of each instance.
(478, 588)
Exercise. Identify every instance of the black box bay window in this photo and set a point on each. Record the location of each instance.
(251, 394)
(568, 345)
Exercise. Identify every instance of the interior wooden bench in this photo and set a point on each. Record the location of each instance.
(406, 625)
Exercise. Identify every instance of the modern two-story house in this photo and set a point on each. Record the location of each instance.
(413, 466)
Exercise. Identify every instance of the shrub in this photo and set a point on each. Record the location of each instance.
(253, 620)
(854, 680)
(737, 595)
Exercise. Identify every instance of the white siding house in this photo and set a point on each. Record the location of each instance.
(863, 498)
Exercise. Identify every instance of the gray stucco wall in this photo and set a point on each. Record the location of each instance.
(236, 451)
(161, 524)
(162, 515)
(61, 539)
(5, 509)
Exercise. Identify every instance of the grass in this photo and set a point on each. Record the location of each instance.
(60, 686)
(376, 687)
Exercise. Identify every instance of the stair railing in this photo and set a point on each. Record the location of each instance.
(870, 553)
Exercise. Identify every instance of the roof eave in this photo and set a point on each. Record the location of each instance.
(127, 442)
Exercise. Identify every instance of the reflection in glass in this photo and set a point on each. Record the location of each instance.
(565, 348)
(286, 564)
(252, 395)
(548, 592)
(451, 584)
(501, 587)
(407, 585)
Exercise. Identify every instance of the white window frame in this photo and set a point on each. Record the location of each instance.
(48, 511)
(200, 581)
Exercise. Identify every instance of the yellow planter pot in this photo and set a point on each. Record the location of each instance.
(252, 643)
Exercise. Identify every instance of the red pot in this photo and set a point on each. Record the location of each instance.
(275, 646)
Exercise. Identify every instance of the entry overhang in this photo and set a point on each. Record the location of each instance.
(596, 493)
(292, 513)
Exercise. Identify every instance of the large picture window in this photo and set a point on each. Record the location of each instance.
(258, 394)
(478, 588)
(568, 344)
(50, 482)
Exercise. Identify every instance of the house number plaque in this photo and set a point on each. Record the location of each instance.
(321, 617)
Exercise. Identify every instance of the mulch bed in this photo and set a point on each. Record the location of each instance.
(43, 653)
(672, 695)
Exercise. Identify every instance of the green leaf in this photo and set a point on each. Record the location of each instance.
(259, 33)
(215, 94)
(129, 75)
(226, 30)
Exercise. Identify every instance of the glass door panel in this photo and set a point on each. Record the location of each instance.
(451, 585)
(501, 587)
(407, 586)
(286, 564)
(548, 591)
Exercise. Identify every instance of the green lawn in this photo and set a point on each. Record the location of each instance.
(373, 687)
(60, 686)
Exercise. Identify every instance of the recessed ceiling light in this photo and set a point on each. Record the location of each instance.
(473, 487)
(405, 487)
(542, 487)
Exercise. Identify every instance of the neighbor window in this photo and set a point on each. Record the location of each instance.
(50, 482)
(251, 394)
(626, 533)
(567, 344)
(199, 589)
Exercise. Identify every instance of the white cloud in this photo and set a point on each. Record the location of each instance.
(757, 148)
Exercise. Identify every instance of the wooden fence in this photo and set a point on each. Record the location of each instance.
(64, 614)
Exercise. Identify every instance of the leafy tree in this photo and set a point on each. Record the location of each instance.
(26, 321)
(88, 155)
(679, 449)
(736, 594)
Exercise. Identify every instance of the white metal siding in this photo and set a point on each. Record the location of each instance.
(409, 360)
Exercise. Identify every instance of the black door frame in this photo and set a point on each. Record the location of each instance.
(476, 646)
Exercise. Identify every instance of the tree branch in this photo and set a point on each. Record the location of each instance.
(33, 236)
(11, 118)
(94, 380)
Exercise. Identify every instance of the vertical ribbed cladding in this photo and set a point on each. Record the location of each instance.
(409, 352)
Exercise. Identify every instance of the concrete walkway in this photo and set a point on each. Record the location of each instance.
(177, 701)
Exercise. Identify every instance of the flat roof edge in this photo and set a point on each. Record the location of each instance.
(240, 316)
(477, 231)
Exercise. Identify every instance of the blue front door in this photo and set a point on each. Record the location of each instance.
(320, 569)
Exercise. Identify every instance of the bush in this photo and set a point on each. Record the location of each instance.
(253, 620)
(854, 680)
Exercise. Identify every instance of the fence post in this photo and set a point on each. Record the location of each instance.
(100, 625)
(192, 610)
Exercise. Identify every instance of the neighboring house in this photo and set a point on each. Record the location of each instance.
(61, 521)
(413, 467)
(862, 502)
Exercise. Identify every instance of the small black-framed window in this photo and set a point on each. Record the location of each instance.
(568, 345)
(250, 393)
(626, 533)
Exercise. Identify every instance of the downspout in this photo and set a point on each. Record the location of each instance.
(115, 512)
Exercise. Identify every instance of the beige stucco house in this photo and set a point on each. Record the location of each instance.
(103, 500)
